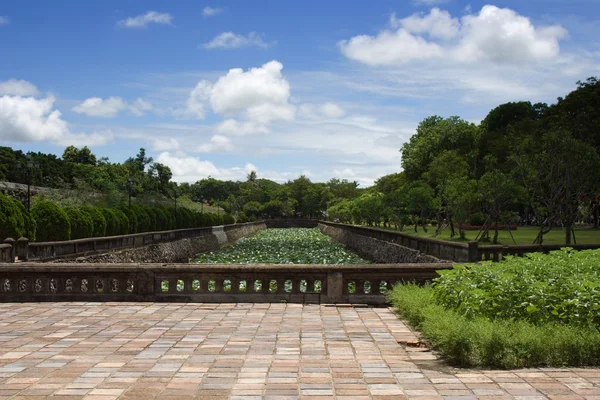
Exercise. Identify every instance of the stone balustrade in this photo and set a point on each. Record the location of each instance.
(208, 283)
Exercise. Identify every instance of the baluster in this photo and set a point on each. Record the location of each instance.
(235, 285)
(280, 285)
(219, 285)
(360, 286)
(375, 285)
(296, 286)
(310, 285)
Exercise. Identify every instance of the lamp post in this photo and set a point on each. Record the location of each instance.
(175, 195)
(30, 165)
(128, 186)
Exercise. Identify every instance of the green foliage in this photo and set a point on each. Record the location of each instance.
(52, 222)
(30, 224)
(113, 222)
(228, 219)
(145, 222)
(123, 221)
(98, 220)
(82, 225)
(12, 219)
(563, 286)
(497, 343)
(131, 220)
(283, 246)
(242, 218)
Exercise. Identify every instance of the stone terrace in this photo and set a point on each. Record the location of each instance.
(107, 351)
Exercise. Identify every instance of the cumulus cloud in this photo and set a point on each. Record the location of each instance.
(211, 12)
(139, 107)
(230, 40)
(97, 107)
(217, 143)
(14, 87)
(142, 20)
(430, 2)
(170, 144)
(4, 20)
(27, 119)
(498, 35)
(260, 95)
(263, 93)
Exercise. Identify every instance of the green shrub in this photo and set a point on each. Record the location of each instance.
(477, 219)
(132, 220)
(145, 222)
(210, 219)
(164, 218)
(242, 218)
(98, 220)
(563, 286)
(30, 225)
(497, 343)
(52, 222)
(82, 225)
(12, 220)
(228, 219)
(113, 223)
(200, 220)
(185, 218)
(123, 222)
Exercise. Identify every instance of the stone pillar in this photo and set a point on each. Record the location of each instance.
(23, 249)
(473, 251)
(335, 287)
(11, 242)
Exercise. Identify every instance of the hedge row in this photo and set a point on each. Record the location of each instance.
(49, 222)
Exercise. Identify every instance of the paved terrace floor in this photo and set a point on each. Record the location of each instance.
(106, 351)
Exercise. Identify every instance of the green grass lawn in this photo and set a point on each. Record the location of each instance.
(523, 235)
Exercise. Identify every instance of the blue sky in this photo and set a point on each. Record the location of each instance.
(326, 89)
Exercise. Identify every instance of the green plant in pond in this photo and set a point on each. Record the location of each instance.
(283, 246)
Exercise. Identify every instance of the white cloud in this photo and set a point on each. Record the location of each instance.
(186, 168)
(318, 111)
(151, 17)
(196, 102)
(234, 127)
(437, 24)
(230, 40)
(211, 12)
(497, 35)
(97, 107)
(4, 20)
(262, 93)
(27, 119)
(139, 106)
(170, 144)
(218, 143)
(14, 87)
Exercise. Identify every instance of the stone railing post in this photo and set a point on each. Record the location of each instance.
(335, 287)
(11, 242)
(23, 249)
(473, 251)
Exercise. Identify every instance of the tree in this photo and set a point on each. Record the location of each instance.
(420, 202)
(557, 174)
(79, 156)
(462, 200)
(498, 193)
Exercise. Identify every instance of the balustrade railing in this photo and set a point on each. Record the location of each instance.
(208, 283)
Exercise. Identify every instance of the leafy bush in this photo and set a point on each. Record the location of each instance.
(30, 225)
(113, 223)
(132, 220)
(477, 219)
(52, 222)
(228, 219)
(81, 223)
(164, 218)
(123, 221)
(12, 222)
(242, 218)
(563, 286)
(98, 220)
(483, 342)
(145, 222)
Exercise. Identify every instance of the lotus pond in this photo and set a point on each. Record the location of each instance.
(283, 246)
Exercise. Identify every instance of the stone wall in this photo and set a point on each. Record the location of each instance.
(378, 251)
(179, 251)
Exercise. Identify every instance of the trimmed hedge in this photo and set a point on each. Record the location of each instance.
(52, 222)
(123, 221)
(82, 225)
(145, 221)
(113, 224)
(132, 220)
(12, 221)
(98, 220)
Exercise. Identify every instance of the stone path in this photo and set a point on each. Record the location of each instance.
(106, 351)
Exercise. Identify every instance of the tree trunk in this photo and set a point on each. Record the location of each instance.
(452, 231)
(568, 232)
(495, 240)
